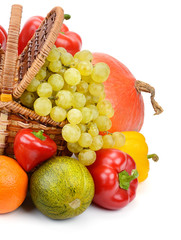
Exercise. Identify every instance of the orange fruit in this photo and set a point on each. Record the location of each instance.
(13, 184)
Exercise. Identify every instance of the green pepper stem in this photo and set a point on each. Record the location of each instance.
(39, 135)
(125, 179)
(154, 157)
(67, 16)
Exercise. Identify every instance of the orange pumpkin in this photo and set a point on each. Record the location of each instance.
(124, 92)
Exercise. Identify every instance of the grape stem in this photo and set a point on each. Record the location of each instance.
(53, 98)
(107, 132)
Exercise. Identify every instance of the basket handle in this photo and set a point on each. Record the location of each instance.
(11, 54)
(1, 65)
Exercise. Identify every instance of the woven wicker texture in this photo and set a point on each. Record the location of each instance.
(16, 74)
(10, 60)
(34, 55)
(1, 65)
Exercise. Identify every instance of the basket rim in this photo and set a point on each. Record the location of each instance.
(41, 57)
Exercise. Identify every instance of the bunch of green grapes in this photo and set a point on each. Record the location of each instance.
(71, 87)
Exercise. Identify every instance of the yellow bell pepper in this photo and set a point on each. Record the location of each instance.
(136, 146)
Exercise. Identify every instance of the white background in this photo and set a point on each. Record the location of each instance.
(145, 36)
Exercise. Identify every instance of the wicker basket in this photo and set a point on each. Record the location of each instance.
(15, 75)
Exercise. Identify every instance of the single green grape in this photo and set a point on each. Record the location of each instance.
(87, 157)
(103, 123)
(53, 55)
(55, 66)
(71, 133)
(74, 147)
(32, 87)
(108, 141)
(119, 139)
(72, 76)
(41, 74)
(95, 112)
(44, 90)
(56, 81)
(82, 87)
(105, 108)
(58, 114)
(79, 100)
(84, 55)
(66, 59)
(64, 99)
(100, 72)
(85, 140)
(93, 129)
(85, 68)
(61, 50)
(96, 89)
(42, 106)
(74, 116)
(97, 143)
(86, 115)
(28, 98)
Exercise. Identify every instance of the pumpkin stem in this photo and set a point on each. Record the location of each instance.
(145, 87)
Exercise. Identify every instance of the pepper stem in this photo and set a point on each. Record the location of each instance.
(154, 157)
(125, 178)
(39, 135)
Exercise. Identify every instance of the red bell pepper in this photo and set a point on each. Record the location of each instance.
(3, 37)
(115, 177)
(71, 41)
(32, 148)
